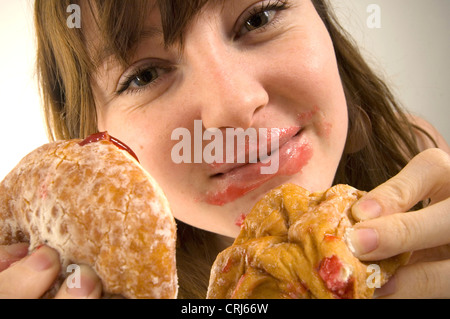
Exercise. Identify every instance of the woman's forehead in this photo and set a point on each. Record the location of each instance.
(116, 28)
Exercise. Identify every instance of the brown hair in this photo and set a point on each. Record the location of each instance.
(380, 142)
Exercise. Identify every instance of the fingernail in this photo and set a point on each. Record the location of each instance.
(17, 250)
(387, 289)
(85, 288)
(366, 209)
(40, 259)
(361, 241)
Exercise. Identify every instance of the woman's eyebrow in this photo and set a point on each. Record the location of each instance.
(147, 33)
(150, 32)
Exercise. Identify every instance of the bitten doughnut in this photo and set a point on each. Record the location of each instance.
(93, 202)
(292, 245)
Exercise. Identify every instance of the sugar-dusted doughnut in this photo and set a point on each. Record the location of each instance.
(93, 202)
(292, 245)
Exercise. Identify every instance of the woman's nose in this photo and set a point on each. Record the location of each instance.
(225, 85)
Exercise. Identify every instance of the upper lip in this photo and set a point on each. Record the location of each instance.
(284, 135)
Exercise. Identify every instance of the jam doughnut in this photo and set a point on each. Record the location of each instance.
(93, 202)
(292, 245)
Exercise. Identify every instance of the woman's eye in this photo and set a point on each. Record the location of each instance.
(262, 15)
(259, 20)
(141, 78)
(144, 78)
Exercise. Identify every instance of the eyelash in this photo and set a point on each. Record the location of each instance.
(124, 86)
(270, 5)
(275, 5)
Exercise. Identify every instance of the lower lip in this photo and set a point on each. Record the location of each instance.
(293, 156)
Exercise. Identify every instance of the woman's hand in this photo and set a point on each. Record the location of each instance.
(30, 276)
(386, 230)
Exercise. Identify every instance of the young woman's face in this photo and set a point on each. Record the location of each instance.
(245, 64)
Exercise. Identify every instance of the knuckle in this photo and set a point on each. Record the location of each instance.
(426, 176)
(398, 195)
(436, 159)
(429, 279)
(438, 163)
(423, 279)
(405, 230)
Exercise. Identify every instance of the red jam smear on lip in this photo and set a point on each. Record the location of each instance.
(330, 271)
(104, 136)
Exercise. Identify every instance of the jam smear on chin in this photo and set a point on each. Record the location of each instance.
(104, 136)
(242, 183)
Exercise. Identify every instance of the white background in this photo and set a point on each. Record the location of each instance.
(411, 49)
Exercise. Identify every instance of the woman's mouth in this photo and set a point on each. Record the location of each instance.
(233, 180)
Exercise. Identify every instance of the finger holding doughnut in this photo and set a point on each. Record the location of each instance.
(394, 234)
(431, 254)
(31, 276)
(385, 230)
(10, 254)
(430, 279)
(94, 203)
(85, 285)
(427, 176)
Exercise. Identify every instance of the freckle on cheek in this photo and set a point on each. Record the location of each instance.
(306, 117)
(325, 129)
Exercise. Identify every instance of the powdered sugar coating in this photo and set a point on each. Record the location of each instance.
(95, 205)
